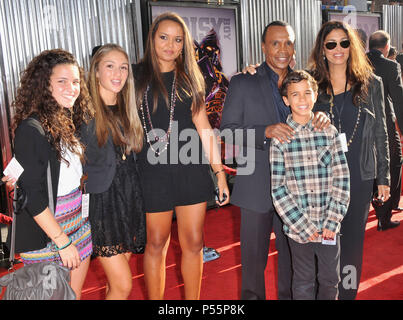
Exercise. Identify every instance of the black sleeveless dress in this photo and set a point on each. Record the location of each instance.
(117, 216)
(180, 175)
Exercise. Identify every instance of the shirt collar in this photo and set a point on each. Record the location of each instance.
(299, 127)
(273, 75)
(376, 52)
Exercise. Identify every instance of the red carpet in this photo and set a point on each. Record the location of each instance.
(382, 277)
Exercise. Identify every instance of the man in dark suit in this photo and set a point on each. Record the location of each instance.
(389, 71)
(253, 106)
(399, 58)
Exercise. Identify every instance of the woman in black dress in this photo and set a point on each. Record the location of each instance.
(116, 204)
(174, 172)
(353, 96)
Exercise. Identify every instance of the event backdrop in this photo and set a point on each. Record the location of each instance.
(201, 20)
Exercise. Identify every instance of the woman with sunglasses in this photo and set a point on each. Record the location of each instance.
(353, 96)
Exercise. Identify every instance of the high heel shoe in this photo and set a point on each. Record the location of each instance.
(387, 225)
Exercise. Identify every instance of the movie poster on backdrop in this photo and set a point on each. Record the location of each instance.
(367, 22)
(202, 20)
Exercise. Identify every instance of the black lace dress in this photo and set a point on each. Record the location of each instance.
(117, 215)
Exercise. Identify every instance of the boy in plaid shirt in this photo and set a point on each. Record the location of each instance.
(310, 188)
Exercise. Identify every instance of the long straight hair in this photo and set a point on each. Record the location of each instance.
(126, 118)
(359, 70)
(190, 81)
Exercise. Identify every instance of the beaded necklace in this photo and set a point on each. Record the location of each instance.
(165, 137)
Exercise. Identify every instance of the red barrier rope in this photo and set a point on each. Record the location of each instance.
(4, 219)
(229, 170)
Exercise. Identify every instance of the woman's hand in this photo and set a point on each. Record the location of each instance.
(70, 257)
(9, 181)
(320, 121)
(222, 189)
(383, 193)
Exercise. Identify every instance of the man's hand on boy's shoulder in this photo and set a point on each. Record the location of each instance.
(251, 69)
(280, 131)
(320, 121)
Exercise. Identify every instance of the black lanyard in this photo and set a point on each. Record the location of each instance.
(342, 106)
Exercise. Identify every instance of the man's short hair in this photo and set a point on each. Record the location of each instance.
(379, 39)
(277, 23)
(295, 77)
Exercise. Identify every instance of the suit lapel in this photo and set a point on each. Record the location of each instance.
(268, 104)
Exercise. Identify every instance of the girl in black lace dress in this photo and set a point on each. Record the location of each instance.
(112, 138)
(170, 92)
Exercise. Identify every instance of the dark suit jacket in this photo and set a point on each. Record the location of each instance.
(33, 151)
(399, 59)
(390, 73)
(100, 162)
(249, 104)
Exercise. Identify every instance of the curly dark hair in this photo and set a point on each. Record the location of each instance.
(34, 97)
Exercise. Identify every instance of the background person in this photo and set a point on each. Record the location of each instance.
(389, 71)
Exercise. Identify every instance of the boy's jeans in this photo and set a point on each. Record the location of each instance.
(305, 270)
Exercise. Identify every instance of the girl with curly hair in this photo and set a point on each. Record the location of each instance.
(116, 204)
(52, 91)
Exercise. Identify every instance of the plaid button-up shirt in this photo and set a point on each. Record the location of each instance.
(310, 181)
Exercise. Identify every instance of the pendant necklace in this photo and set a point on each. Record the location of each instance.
(123, 155)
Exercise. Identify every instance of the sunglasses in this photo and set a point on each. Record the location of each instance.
(377, 202)
(332, 44)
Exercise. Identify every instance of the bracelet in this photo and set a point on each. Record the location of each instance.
(61, 232)
(64, 247)
(217, 172)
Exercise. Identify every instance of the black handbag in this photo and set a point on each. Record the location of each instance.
(37, 281)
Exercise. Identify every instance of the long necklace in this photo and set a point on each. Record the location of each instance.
(332, 115)
(165, 137)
